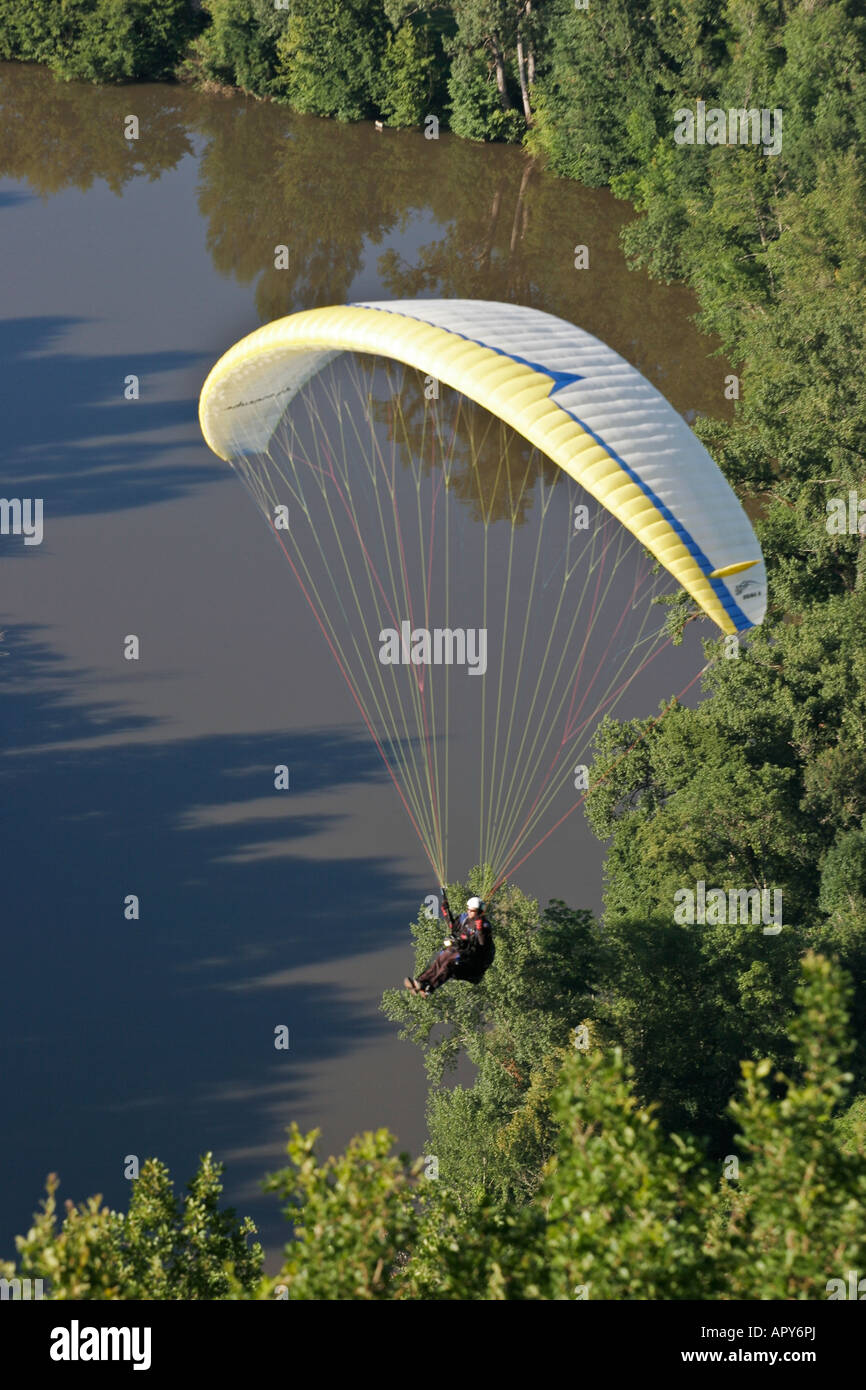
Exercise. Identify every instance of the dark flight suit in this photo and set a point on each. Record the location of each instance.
(471, 953)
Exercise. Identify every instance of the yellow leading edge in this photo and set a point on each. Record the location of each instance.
(545, 385)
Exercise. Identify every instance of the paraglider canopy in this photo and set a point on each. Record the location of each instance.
(457, 434)
(568, 393)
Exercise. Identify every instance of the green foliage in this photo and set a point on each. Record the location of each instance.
(851, 1128)
(842, 897)
(843, 878)
(486, 1253)
(330, 56)
(711, 795)
(29, 30)
(822, 84)
(240, 45)
(623, 1211)
(121, 40)
(476, 108)
(681, 609)
(686, 1003)
(160, 1249)
(797, 1215)
(98, 40)
(626, 1210)
(354, 1217)
(513, 1026)
(625, 1204)
(597, 89)
(482, 80)
(761, 786)
(405, 81)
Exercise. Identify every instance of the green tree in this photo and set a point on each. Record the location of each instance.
(796, 1216)
(625, 1204)
(239, 47)
(330, 56)
(480, 83)
(29, 32)
(514, 1027)
(160, 1248)
(120, 40)
(406, 77)
(707, 795)
(597, 84)
(354, 1218)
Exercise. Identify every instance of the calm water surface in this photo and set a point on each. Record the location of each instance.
(149, 258)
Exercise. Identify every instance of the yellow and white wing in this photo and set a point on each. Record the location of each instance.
(565, 391)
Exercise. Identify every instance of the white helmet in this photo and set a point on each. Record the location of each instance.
(475, 903)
